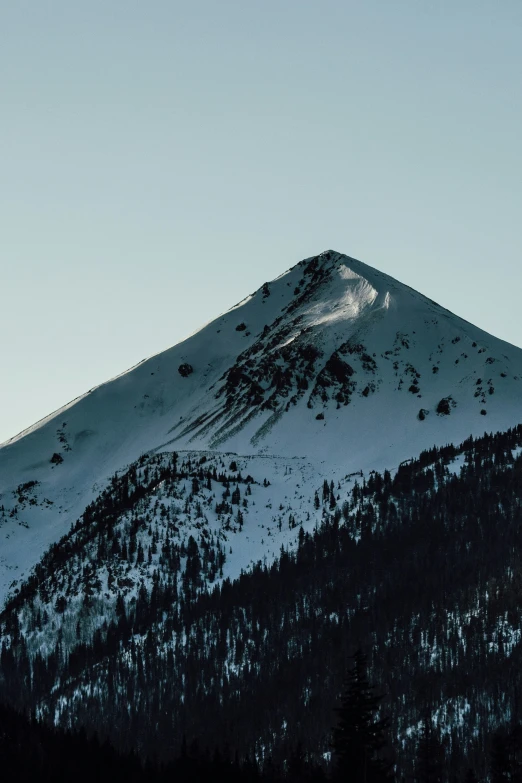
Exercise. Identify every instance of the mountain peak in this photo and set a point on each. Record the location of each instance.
(333, 362)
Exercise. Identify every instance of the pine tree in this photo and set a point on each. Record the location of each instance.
(430, 755)
(359, 737)
(506, 755)
(499, 758)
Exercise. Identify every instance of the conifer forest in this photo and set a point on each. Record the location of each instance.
(385, 646)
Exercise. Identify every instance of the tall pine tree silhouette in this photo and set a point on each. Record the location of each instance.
(360, 735)
(430, 754)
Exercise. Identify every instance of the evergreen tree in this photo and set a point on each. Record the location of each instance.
(359, 737)
(430, 755)
(499, 759)
(506, 755)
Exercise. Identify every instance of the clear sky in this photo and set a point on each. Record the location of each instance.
(159, 160)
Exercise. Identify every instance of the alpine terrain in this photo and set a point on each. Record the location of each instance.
(193, 548)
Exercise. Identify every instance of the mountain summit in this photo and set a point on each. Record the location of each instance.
(333, 363)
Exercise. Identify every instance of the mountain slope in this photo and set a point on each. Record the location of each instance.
(117, 630)
(333, 363)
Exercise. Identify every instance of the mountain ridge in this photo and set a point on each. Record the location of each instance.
(333, 361)
(367, 268)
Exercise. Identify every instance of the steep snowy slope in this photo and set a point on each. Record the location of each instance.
(333, 363)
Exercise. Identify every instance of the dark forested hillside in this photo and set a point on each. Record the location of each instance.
(421, 568)
(32, 751)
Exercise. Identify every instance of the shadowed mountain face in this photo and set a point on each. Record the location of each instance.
(333, 364)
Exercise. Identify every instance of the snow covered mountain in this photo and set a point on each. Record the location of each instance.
(330, 369)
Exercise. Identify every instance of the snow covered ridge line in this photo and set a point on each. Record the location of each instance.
(164, 506)
(332, 361)
(212, 497)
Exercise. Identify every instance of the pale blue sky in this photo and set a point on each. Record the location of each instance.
(159, 160)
